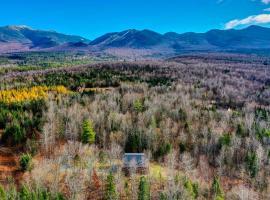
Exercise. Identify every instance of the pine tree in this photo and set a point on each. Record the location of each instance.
(190, 188)
(217, 191)
(110, 193)
(162, 196)
(252, 164)
(153, 123)
(88, 133)
(138, 105)
(25, 193)
(3, 194)
(144, 189)
(26, 162)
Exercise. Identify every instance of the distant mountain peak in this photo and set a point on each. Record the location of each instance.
(30, 38)
(255, 27)
(18, 27)
(131, 38)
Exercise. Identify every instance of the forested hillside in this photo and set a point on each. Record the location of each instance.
(202, 122)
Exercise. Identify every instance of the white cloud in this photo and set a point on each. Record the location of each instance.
(266, 1)
(254, 19)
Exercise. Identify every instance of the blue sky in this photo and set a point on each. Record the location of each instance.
(92, 18)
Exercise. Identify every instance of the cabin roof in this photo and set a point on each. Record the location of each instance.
(138, 158)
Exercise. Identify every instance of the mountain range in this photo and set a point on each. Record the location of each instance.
(23, 38)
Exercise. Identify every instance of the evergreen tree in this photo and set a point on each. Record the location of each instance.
(240, 130)
(110, 193)
(26, 162)
(252, 165)
(162, 196)
(136, 142)
(25, 193)
(88, 133)
(217, 191)
(14, 132)
(144, 189)
(164, 149)
(2, 193)
(138, 105)
(189, 187)
(153, 123)
(225, 140)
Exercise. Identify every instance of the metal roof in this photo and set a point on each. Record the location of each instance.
(138, 158)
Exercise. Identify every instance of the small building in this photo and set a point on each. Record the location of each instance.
(135, 163)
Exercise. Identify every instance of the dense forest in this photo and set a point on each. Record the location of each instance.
(202, 121)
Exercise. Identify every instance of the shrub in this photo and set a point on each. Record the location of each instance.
(144, 189)
(26, 162)
(88, 134)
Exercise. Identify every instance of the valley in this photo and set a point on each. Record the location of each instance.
(135, 100)
(201, 120)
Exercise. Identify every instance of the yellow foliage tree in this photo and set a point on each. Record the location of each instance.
(29, 94)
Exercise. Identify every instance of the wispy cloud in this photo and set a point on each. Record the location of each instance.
(267, 9)
(254, 19)
(262, 1)
(266, 1)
